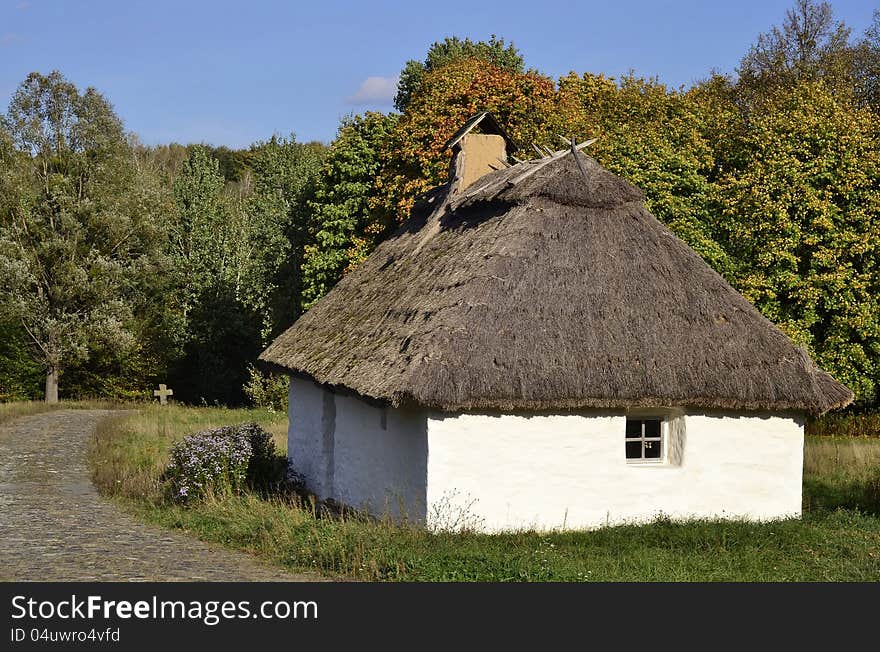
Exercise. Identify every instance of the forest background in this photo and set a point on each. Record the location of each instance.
(124, 265)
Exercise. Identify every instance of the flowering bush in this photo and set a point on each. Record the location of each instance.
(221, 462)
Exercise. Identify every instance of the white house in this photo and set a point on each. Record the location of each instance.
(533, 349)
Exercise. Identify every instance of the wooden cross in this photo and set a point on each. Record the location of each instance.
(163, 393)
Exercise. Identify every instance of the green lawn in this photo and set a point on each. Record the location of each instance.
(838, 538)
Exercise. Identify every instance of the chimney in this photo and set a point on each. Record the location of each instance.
(477, 154)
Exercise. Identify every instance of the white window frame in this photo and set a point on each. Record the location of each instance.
(663, 439)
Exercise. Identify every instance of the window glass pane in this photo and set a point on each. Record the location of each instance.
(633, 450)
(652, 450)
(652, 428)
(633, 428)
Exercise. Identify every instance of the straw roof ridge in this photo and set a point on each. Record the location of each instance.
(556, 292)
(560, 181)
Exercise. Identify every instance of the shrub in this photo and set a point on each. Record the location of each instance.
(845, 424)
(222, 462)
(267, 390)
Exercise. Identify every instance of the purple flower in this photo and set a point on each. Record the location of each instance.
(217, 461)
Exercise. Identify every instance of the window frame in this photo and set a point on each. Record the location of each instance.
(661, 438)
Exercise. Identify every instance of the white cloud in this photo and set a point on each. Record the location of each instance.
(375, 90)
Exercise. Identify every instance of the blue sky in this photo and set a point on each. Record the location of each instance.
(232, 73)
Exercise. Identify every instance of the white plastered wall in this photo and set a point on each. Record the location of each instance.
(362, 455)
(569, 471)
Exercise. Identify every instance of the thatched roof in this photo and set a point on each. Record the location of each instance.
(557, 291)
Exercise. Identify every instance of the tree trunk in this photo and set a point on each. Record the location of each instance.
(52, 385)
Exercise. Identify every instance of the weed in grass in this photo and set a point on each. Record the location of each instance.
(453, 512)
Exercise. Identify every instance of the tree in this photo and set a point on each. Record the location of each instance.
(799, 218)
(658, 139)
(236, 245)
(20, 375)
(452, 49)
(379, 163)
(234, 163)
(72, 247)
(810, 45)
(155, 323)
(218, 333)
(343, 227)
(285, 174)
(412, 160)
(867, 65)
(201, 226)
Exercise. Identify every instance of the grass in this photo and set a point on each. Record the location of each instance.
(841, 459)
(839, 545)
(130, 452)
(842, 473)
(838, 538)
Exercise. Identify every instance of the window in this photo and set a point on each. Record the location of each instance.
(644, 439)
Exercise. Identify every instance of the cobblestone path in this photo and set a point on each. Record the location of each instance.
(55, 527)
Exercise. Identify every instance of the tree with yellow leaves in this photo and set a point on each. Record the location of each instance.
(800, 217)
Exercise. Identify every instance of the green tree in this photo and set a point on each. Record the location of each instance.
(155, 323)
(201, 225)
(21, 376)
(662, 140)
(412, 160)
(166, 161)
(234, 164)
(219, 333)
(810, 45)
(238, 248)
(799, 217)
(72, 247)
(285, 174)
(867, 65)
(344, 228)
(452, 49)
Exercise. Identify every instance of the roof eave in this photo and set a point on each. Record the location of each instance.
(406, 399)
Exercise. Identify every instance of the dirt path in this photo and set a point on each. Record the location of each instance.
(55, 527)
